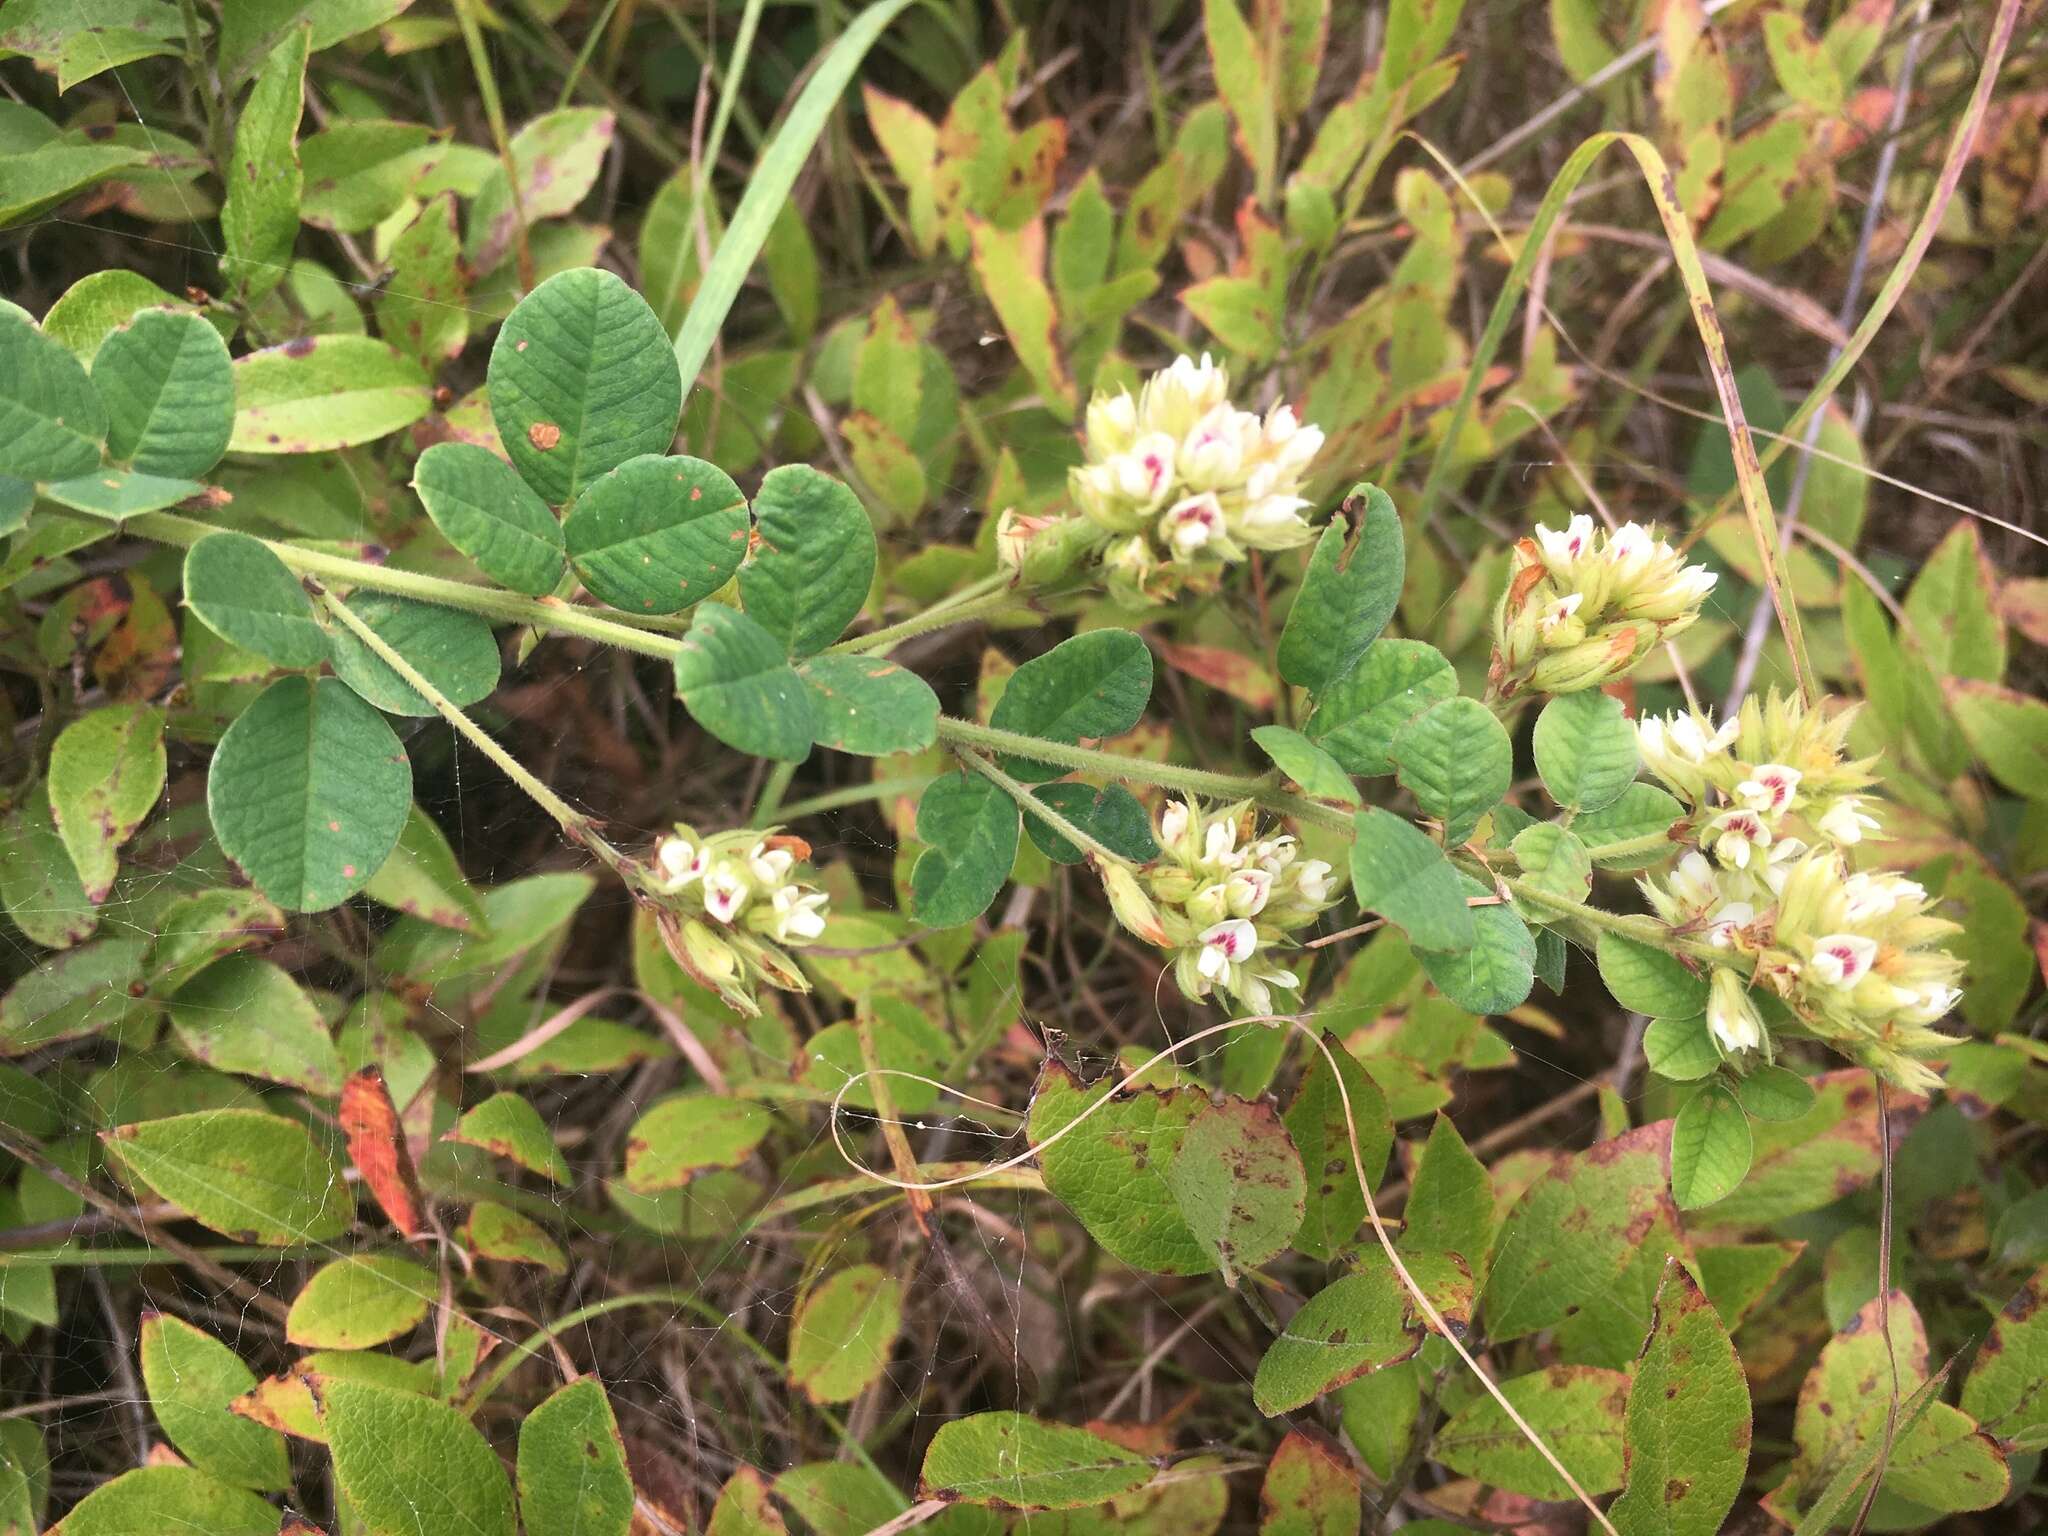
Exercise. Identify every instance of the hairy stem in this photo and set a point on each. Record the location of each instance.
(490, 602)
(574, 824)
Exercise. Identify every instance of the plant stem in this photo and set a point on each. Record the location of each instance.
(772, 792)
(1198, 781)
(853, 794)
(989, 595)
(491, 602)
(574, 824)
(1644, 930)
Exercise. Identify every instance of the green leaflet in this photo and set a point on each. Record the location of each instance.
(52, 424)
(810, 575)
(453, 650)
(1239, 1183)
(656, 534)
(738, 684)
(250, 598)
(169, 389)
(840, 1339)
(1585, 750)
(581, 380)
(684, 1136)
(411, 1465)
(868, 706)
(308, 792)
(1017, 1462)
(260, 219)
(106, 772)
(250, 1176)
(1681, 1049)
(1455, 758)
(243, 1014)
(1094, 685)
(1109, 813)
(1350, 591)
(360, 1301)
(1688, 1424)
(324, 392)
(1318, 773)
(970, 827)
(509, 1126)
(1498, 970)
(1316, 1120)
(1577, 1409)
(1359, 1323)
(149, 1500)
(191, 1378)
(1399, 873)
(1648, 980)
(573, 1477)
(492, 515)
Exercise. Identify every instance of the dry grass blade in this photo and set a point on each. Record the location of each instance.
(1756, 496)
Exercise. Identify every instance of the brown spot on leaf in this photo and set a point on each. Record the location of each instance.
(543, 435)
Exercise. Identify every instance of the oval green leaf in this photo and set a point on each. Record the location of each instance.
(453, 650)
(1350, 591)
(581, 379)
(248, 1175)
(169, 388)
(868, 706)
(151, 1500)
(308, 792)
(736, 681)
(657, 534)
(508, 1125)
(1498, 970)
(1109, 813)
(106, 772)
(323, 392)
(971, 828)
(1645, 979)
(1585, 750)
(1455, 758)
(483, 507)
(684, 1136)
(1710, 1147)
(410, 1465)
(191, 1377)
(1358, 716)
(841, 1337)
(250, 598)
(1399, 873)
(815, 561)
(1091, 686)
(52, 424)
(244, 1014)
(1681, 1049)
(360, 1301)
(573, 1476)
(1014, 1461)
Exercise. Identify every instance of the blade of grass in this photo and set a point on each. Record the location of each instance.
(1756, 498)
(773, 176)
(1952, 165)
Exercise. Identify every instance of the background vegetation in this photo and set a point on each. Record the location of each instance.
(904, 246)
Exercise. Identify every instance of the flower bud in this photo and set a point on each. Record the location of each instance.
(1733, 1018)
(1127, 899)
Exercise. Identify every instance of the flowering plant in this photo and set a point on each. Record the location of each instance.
(1226, 896)
(730, 904)
(1584, 605)
(1777, 811)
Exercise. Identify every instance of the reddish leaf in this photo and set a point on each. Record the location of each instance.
(376, 1145)
(1311, 1489)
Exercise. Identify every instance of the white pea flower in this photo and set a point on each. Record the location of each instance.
(1230, 942)
(1731, 1015)
(1842, 959)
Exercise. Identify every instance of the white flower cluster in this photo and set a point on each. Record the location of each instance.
(728, 901)
(1185, 483)
(1224, 899)
(1857, 956)
(1583, 606)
